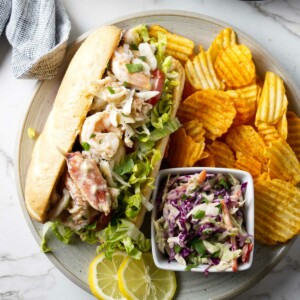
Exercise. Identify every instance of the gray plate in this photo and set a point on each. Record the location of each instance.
(73, 260)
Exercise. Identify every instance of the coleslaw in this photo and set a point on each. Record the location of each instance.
(200, 220)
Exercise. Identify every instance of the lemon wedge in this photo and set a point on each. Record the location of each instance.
(141, 279)
(103, 279)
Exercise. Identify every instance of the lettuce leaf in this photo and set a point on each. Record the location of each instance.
(160, 48)
(123, 236)
(44, 246)
(63, 233)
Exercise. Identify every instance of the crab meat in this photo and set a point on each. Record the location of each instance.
(89, 181)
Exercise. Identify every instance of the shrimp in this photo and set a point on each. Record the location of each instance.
(104, 138)
(123, 56)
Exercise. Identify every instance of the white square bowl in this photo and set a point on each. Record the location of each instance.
(160, 260)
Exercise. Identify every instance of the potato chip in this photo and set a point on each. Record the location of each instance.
(201, 74)
(208, 161)
(205, 154)
(283, 163)
(263, 176)
(177, 46)
(294, 132)
(234, 66)
(184, 151)
(223, 155)
(214, 109)
(245, 139)
(273, 102)
(244, 103)
(277, 211)
(282, 127)
(195, 130)
(268, 133)
(247, 163)
(225, 38)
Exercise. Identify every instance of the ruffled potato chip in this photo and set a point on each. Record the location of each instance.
(208, 161)
(283, 163)
(293, 137)
(245, 139)
(247, 163)
(184, 151)
(223, 155)
(214, 109)
(201, 74)
(245, 100)
(268, 133)
(277, 211)
(282, 126)
(195, 130)
(273, 102)
(234, 66)
(178, 46)
(225, 38)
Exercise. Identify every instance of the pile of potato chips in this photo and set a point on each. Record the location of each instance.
(234, 119)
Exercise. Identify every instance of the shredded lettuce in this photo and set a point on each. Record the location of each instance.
(135, 169)
(142, 32)
(124, 236)
(63, 233)
(168, 128)
(88, 233)
(125, 166)
(166, 65)
(161, 48)
(44, 246)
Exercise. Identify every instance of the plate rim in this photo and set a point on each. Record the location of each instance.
(164, 12)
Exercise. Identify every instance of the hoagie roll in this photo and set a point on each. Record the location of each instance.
(102, 145)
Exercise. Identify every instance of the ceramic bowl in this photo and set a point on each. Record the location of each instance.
(161, 260)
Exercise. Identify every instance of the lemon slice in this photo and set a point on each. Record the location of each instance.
(103, 279)
(141, 279)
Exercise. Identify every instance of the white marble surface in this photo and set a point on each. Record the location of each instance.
(25, 272)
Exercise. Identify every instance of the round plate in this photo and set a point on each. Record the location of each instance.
(73, 260)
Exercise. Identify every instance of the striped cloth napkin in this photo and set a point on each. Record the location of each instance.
(38, 31)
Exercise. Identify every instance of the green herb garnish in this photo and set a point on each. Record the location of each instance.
(111, 90)
(199, 214)
(222, 183)
(198, 245)
(134, 68)
(177, 248)
(190, 266)
(86, 146)
(133, 47)
(143, 58)
(92, 135)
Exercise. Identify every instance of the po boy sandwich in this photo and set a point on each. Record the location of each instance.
(94, 163)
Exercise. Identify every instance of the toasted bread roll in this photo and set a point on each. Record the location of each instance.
(68, 114)
(69, 111)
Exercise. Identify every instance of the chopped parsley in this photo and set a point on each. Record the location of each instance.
(134, 68)
(86, 146)
(111, 90)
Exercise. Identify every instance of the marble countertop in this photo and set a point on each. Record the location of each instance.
(25, 272)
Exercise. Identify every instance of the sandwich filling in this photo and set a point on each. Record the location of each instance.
(101, 188)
